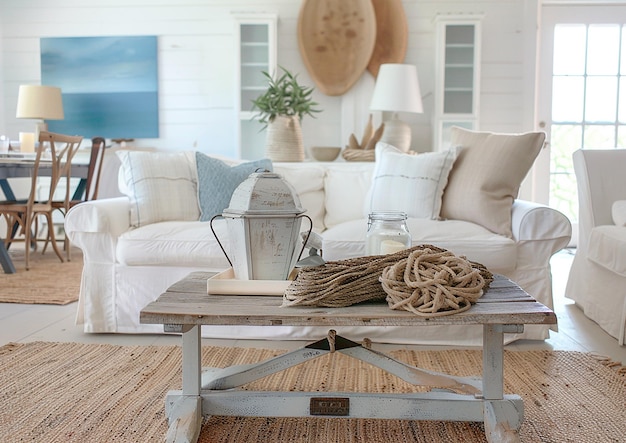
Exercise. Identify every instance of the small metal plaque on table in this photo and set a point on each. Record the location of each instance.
(335, 406)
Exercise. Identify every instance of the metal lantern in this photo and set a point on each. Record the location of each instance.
(263, 223)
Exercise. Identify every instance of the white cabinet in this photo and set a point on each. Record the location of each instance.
(457, 75)
(256, 53)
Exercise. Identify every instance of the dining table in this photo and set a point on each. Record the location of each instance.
(20, 165)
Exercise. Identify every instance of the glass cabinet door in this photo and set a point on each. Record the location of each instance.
(458, 76)
(257, 54)
(458, 82)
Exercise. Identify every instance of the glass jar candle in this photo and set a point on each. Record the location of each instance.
(387, 233)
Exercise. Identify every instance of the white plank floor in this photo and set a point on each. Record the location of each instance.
(26, 323)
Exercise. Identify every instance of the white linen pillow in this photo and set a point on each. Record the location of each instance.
(410, 183)
(618, 211)
(308, 181)
(161, 186)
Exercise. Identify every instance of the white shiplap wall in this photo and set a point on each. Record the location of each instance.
(197, 66)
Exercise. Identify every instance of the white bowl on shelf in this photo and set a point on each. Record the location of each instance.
(324, 153)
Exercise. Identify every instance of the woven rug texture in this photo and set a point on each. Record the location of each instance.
(104, 393)
(47, 281)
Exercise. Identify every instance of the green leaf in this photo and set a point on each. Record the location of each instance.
(284, 96)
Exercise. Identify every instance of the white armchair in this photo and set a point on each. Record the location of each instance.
(597, 280)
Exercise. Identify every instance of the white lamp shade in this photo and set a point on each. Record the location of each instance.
(39, 102)
(397, 89)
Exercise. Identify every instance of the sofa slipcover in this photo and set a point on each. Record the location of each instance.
(127, 267)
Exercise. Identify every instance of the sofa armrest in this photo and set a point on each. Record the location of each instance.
(94, 227)
(109, 215)
(540, 232)
(534, 221)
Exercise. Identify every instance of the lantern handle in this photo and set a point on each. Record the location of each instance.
(218, 240)
(308, 234)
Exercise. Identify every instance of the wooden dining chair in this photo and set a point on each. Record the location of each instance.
(92, 181)
(52, 160)
(96, 160)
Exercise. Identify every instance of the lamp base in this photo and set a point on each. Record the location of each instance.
(41, 126)
(397, 133)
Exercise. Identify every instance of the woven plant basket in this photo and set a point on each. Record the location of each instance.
(284, 139)
(359, 155)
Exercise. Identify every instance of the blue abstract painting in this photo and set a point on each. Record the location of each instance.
(109, 85)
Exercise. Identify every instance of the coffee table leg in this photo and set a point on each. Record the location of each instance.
(184, 409)
(500, 426)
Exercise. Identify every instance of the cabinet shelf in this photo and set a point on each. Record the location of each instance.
(247, 115)
(459, 65)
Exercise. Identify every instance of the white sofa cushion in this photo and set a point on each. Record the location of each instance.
(487, 175)
(161, 186)
(308, 181)
(477, 243)
(607, 248)
(618, 212)
(409, 183)
(174, 243)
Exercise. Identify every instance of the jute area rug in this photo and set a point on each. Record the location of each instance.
(47, 281)
(65, 392)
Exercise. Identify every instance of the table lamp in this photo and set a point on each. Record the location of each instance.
(40, 103)
(397, 90)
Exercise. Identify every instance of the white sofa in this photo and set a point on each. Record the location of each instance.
(126, 267)
(597, 279)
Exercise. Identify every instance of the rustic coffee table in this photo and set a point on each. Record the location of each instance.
(505, 307)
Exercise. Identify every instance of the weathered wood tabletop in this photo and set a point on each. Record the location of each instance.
(187, 302)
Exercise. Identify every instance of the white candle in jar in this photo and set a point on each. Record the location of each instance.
(391, 246)
(27, 142)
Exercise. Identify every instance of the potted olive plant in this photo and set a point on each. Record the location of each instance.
(281, 108)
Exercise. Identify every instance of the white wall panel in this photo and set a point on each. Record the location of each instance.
(197, 66)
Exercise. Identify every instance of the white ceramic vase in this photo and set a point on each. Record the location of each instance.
(284, 139)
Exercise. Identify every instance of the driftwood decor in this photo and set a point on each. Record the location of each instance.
(392, 34)
(364, 151)
(336, 40)
(340, 39)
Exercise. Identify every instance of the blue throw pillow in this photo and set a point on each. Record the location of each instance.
(217, 181)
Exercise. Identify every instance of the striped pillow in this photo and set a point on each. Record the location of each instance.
(161, 186)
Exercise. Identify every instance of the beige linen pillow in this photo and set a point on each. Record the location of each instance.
(487, 175)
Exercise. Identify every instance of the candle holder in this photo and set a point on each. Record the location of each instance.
(387, 233)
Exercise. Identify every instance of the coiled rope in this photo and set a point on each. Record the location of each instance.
(347, 282)
(432, 283)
